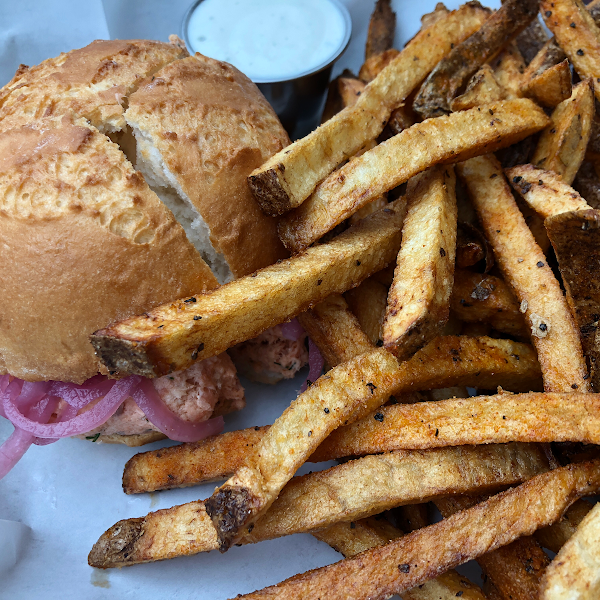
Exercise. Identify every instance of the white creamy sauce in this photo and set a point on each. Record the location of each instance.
(268, 40)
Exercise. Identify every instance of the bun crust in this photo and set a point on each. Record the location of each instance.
(84, 242)
(89, 82)
(212, 127)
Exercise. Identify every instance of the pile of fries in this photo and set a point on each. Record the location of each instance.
(422, 264)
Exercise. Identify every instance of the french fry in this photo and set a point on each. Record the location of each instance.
(576, 241)
(419, 300)
(552, 86)
(453, 72)
(545, 191)
(368, 302)
(482, 89)
(575, 572)
(531, 40)
(290, 176)
(587, 183)
(335, 330)
(557, 535)
(562, 145)
(417, 557)
(525, 269)
(343, 91)
(321, 499)
(443, 140)
(514, 570)
(509, 68)
(446, 361)
(411, 517)
(382, 27)
(497, 419)
(362, 384)
(471, 247)
(550, 55)
(376, 63)
(353, 538)
(480, 298)
(176, 335)
(576, 33)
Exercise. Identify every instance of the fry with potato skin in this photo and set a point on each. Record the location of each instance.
(514, 570)
(444, 140)
(525, 269)
(375, 574)
(551, 87)
(480, 298)
(362, 384)
(335, 330)
(174, 336)
(575, 237)
(482, 89)
(382, 27)
(557, 535)
(545, 191)
(418, 302)
(562, 145)
(576, 33)
(352, 538)
(575, 571)
(290, 176)
(532, 417)
(454, 71)
(318, 500)
(446, 361)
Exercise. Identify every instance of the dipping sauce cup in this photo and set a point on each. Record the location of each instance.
(287, 47)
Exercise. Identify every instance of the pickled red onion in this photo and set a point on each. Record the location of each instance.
(96, 416)
(80, 396)
(162, 417)
(292, 330)
(315, 365)
(19, 442)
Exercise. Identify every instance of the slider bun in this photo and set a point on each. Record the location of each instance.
(85, 239)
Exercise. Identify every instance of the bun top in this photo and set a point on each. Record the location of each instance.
(85, 240)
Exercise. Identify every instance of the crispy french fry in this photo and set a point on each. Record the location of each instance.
(446, 361)
(587, 183)
(545, 191)
(529, 417)
(576, 33)
(436, 141)
(482, 89)
(471, 247)
(562, 145)
(550, 87)
(575, 572)
(335, 330)
(549, 55)
(576, 241)
(525, 269)
(509, 68)
(484, 298)
(368, 302)
(362, 384)
(287, 179)
(531, 40)
(411, 517)
(415, 558)
(419, 298)
(453, 72)
(557, 535)
(321, 499)
(174, 336)
(514, 570)
(382, 28)
(375, 64)
(351, 539)
(343, 91)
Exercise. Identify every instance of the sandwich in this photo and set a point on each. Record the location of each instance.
(123, 172)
